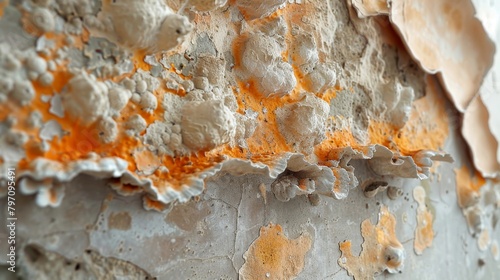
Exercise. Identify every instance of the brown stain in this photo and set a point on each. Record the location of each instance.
(151, 204)
(119, 221)
(468, 184)
(377, 240)
(272, 255)
(187, 216)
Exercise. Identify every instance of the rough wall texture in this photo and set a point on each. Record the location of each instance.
(254, 139)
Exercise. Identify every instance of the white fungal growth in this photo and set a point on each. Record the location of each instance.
(107, 130)
(148, 102)
(141, 86)
(141, 24)
(35, 119)
(46, 79)
(118, 99)
(36, 64)
(23, 92)
(43, 19)
(10, 62)
(136, 124)
(261, 60)
(86, 98)
(129, 84)
(6, 85)
(206, 125)
(320, 78)
(303, 123)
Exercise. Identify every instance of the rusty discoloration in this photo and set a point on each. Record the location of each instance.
(274, 256)
(381, 249)
(424, 233)
(468, 185)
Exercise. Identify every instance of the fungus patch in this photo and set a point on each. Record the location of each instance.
(424, 233)
(381, 249)
(273, 255)
(159, 117)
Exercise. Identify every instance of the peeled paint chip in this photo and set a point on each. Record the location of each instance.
(446, 38)
(481, 141)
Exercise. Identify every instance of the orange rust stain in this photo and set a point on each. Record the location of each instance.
(378, 241)
(329, 94)
(181, 170)
(126, 189)
(469, 182)
(337, 139)
(295, 12)
(266, 138)
(427, 127)
(238, 48)
(303, 184)
(53, 196)
(138, 60)
(424, 232)
(274, 255)
(152, 204)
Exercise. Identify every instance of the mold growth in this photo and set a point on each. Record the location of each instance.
(44, 264)
(424, 233)
(381, 249)
(272, 255)
(461, 72)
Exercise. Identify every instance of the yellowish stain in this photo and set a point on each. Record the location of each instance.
(424, 233)
(468, 183)
(381, 249)
(274, 256)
